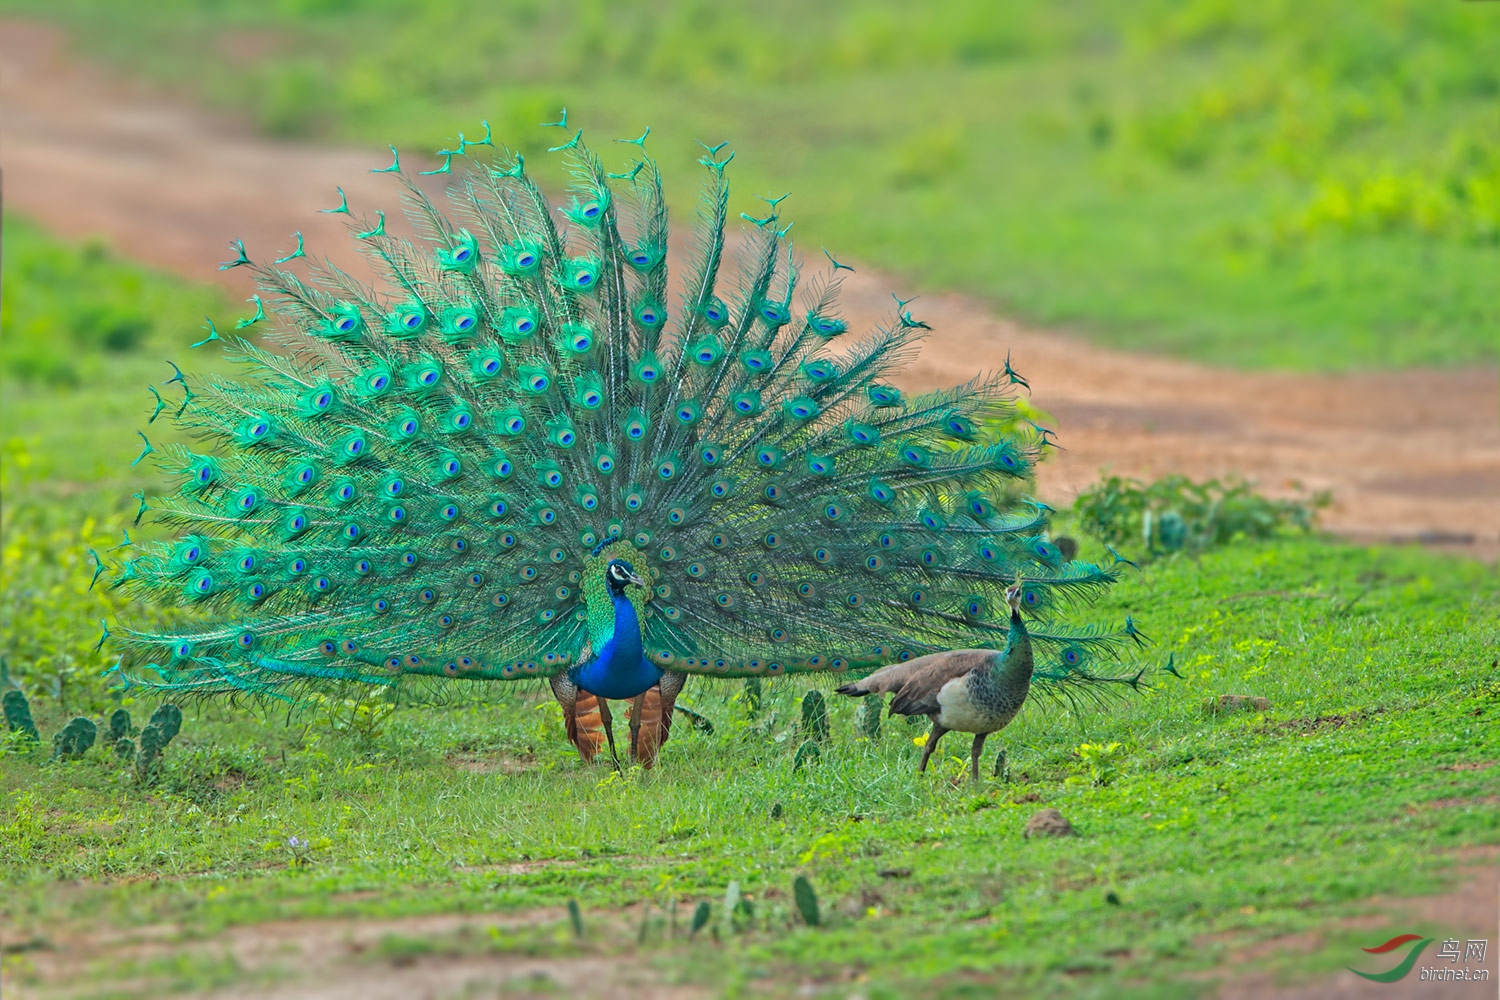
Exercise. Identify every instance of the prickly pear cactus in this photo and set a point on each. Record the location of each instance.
(815, 716)
(119, 727)
(125, 748)
(18, 715)
(752, 696)
(168, 721)
(867, 716)
(75, 739)
(148, 757)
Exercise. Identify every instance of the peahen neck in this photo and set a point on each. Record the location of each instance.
(619, 669)
(1013, 665)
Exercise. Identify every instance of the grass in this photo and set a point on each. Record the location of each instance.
(1213, 832)
(1292, 185)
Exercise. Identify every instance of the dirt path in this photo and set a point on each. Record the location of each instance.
(1411, 455)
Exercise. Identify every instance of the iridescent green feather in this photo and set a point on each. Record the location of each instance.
(411, 479)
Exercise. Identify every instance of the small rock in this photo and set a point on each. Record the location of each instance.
(1236, 703)
(1048, 823)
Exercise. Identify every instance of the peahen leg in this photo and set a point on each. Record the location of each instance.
(979, 739)
(932, 742)
(608, 723)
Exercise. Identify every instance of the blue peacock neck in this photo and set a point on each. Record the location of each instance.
(619, 668)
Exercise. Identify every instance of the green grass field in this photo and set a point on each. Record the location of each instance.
(1204, 833)
(1211, 832)
(1303, 185)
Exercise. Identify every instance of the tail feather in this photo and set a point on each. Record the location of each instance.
(419, 481)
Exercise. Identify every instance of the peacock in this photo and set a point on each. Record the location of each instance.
(517, 456)
(975, 691)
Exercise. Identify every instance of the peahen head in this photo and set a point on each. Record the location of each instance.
(1013, 595)
(620, 575)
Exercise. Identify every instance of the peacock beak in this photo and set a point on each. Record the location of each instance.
(632, 578)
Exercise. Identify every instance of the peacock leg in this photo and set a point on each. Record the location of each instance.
(932, 742)
(979, 739)
(608, 722)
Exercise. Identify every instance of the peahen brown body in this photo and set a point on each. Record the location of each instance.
(975, 691)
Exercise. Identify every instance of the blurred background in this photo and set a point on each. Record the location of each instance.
(1310, 185)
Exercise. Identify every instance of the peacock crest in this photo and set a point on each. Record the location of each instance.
(427, 476)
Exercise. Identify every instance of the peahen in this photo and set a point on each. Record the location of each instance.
(975, 691)
(517, 457)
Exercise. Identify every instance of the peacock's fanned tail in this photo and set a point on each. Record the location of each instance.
(420, 480)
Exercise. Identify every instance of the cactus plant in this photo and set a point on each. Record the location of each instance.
(74, 739)
(168, 721)
(119, 727)
(148, 757)
(815, 716)
(18, 715)
(868, 716)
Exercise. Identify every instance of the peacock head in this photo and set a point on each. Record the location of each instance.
(1013, 595)
(620, 575)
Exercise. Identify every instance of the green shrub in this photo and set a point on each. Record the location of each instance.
(69, 308)
(1175, 514)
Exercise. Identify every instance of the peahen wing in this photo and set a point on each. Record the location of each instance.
(420, 479)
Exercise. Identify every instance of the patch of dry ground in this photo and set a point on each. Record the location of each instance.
(1408, 455)
(437, 956)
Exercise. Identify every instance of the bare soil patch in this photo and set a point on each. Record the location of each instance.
(1467, 911)
(441, 955)
(169, 183)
